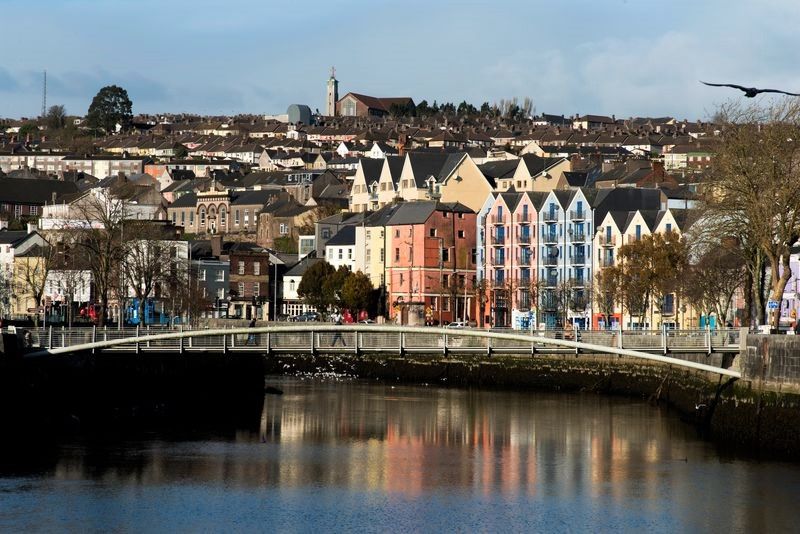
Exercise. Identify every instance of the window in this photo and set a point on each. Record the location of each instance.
(17, 210)
(638, 232)
(236, 218)
(202, 274)
(473, 256)
(34, 210)
(183, 218)
(191, 218)
(432, 232)
(326, 233)
(220, 293)
(202, 216)
(349, 253)
(340, 254)
(220, 275)
(397, 233)
(445, 254)
(257, 268)
(284, 228)
(256, 288)
(396, 254)
(401, 279)
(247, 217)
(241, 267)
(223, 217)
(669, 227)
(460, 215)
(461, 234)
(241, 289)
(368, 255)
(291, 285)
(445, 280)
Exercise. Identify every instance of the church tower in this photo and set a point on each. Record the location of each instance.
(333, 94)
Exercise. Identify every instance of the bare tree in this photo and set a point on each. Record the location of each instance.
(147, 259)
(31, 274)
(756, 181)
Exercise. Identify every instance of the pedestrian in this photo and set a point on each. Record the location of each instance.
(251, 339)
(337, 336)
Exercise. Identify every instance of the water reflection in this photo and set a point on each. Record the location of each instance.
(588, 456)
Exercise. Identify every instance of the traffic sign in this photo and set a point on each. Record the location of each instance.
(773, 305)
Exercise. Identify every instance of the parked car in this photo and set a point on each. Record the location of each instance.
(457, 324)
(366, 321)
(304, 317)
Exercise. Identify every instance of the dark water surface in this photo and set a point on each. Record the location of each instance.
(341, 455)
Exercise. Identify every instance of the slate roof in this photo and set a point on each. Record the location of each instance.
(189, 200)
(33, 191)
(302, 266)
(12, 237)
(371, 169)
(418, 212)
(346, 236)
(624, 199)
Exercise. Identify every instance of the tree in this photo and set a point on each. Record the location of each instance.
(357, 292)
(606, 292)
(56, 117)
(332, 287)
(712, 281)
(28, 129)
(756, 181)
(32, 272)
(110, 106)
(310, 287)
(285, 244)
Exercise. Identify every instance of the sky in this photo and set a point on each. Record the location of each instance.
(224, 57)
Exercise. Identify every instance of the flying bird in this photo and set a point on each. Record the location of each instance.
(749, 92)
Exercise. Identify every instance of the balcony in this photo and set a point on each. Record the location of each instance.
(497, 219)
(498, 260)
(579, 237)
(608, 241)
(498, 239)
(549, 237)
(524, 260)
(524, 239)
(549, 304)
(373, 195)
(524, 281)
(577, 215)
(549, 261)
(550, 216)
(551, 281)
(578, 304)
(523, 218)
(577, 281)
(498, 283)
(607, 262)
(579, 260)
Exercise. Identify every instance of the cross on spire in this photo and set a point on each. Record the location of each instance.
(333, 72)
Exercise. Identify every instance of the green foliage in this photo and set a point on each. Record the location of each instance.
(310, 287)
(29, 128)
(56, 117)
(109, 107)
(285, 244)
(332, 286)
(357, 292)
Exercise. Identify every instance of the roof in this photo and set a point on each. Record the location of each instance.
(189, 200)
(12, 237)
(371, 168)
(420, 211)
(33, 191)
(346, 236)
(302, 266)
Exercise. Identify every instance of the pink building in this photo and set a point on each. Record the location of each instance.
(430, 263)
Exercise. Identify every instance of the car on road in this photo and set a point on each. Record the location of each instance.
(366, 321)
(304, 317)
(457, 324)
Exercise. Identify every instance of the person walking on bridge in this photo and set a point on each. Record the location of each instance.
(251, 338)
(337, 319)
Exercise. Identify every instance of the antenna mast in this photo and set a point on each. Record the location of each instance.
(44, 96)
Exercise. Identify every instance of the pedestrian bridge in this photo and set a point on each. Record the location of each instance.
(691, 349)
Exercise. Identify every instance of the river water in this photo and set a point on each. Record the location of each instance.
(347, 455)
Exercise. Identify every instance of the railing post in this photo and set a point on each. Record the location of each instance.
(269, 343)
(489, 347)
(94, 336)
(105, 333)
(619, 335)
(63, 337)
(50, 337)
(402, 343)
(233, 341)
(180, 340)
(575, 337)
(664, 338)
(444, 345)
(137, 339)
(357, 344)
(224, 343)
(708, 338)
(148, 335)
(313, 345)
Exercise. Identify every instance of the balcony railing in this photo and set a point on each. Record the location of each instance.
(549, 304)
(608, 241)
(549, 261)
(498, 283)
(498, 239)
(577, 215)
(577, 281)
(579, 260)
(524, 281)
(524, 239)
(577, 237)
(607, 262)
(497, 219)
(525, 260)
(498, 260)
(551, 281)
(579, 304)
(550, 237)
(550, 216)
(523, 218)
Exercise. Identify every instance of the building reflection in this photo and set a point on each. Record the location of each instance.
(413, 441)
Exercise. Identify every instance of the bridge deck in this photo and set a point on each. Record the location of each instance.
(687, 348)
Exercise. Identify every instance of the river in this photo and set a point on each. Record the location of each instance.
(347, 455)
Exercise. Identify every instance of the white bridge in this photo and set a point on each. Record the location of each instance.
(694, 349)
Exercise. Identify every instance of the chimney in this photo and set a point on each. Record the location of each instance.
(216, 245)
(32, 227)
(658, 170)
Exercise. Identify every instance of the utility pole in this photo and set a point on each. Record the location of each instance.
(44, 96)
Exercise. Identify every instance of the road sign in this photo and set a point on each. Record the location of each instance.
(35, 310)
(773, 305)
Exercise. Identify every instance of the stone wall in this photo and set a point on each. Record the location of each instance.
(773, 360)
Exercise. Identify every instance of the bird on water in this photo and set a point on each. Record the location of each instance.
(749, 92)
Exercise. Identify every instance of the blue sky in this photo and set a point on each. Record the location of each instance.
(623, 57)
